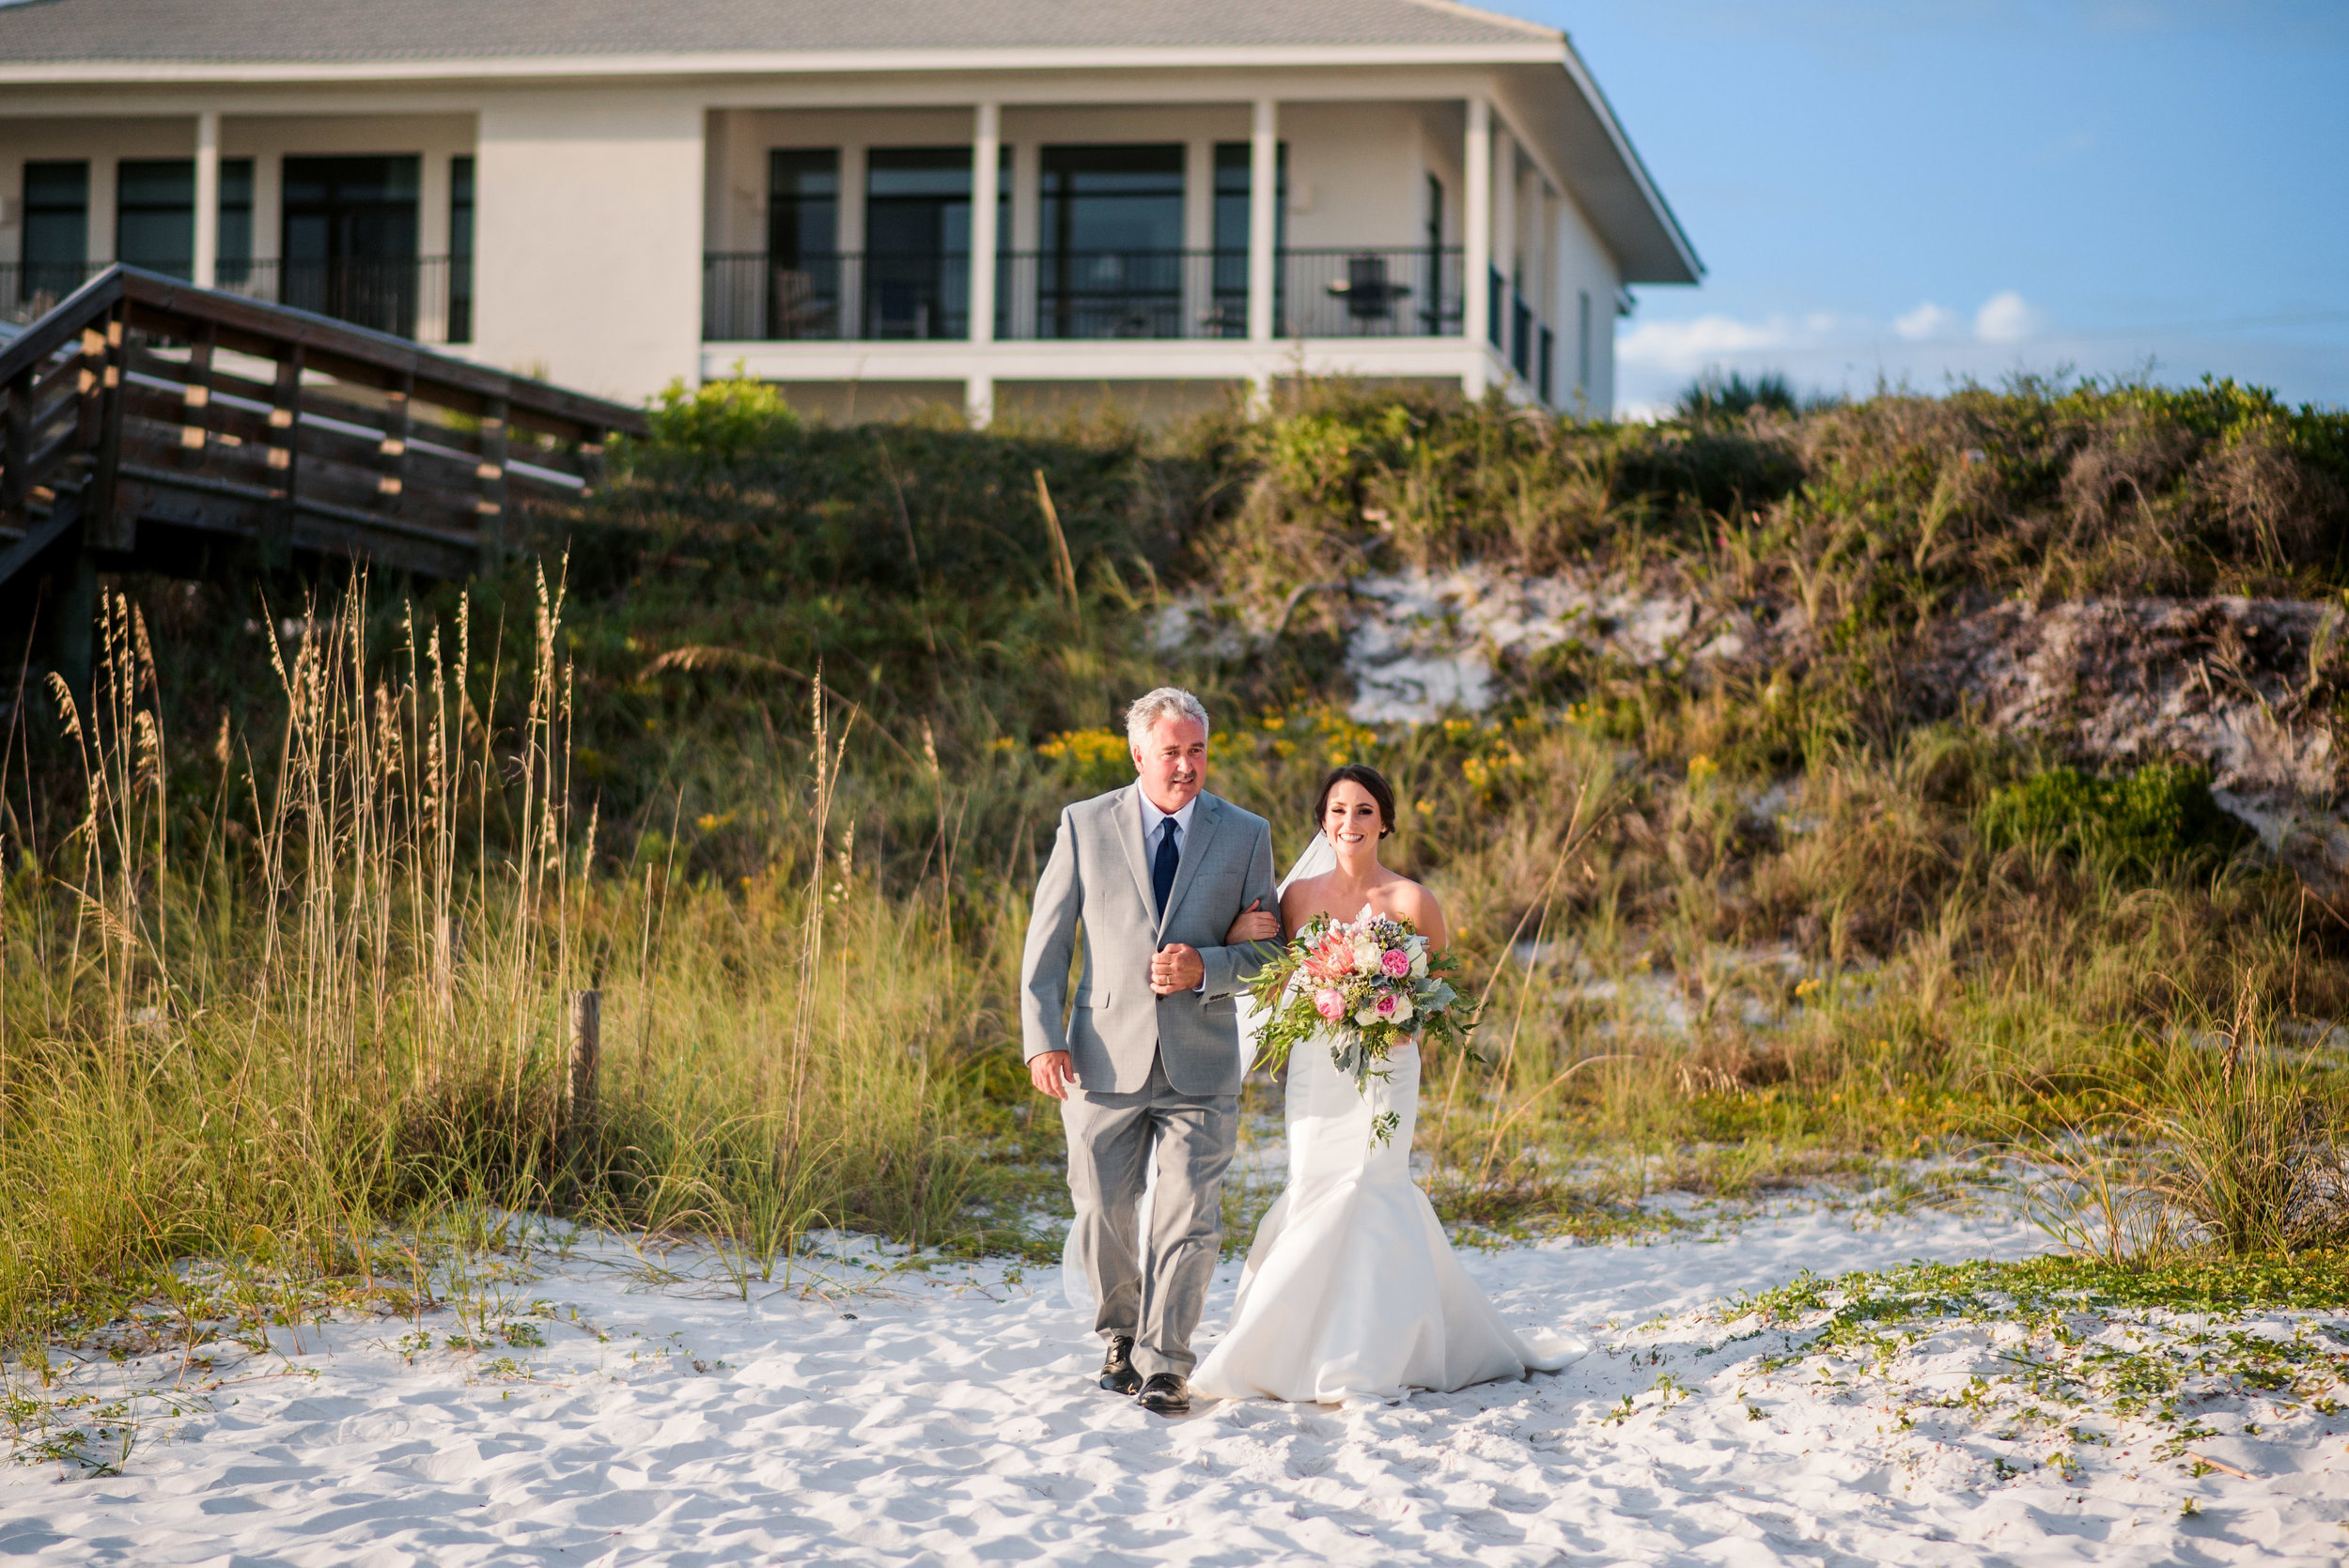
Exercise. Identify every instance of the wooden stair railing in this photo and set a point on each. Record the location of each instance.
(149, 425)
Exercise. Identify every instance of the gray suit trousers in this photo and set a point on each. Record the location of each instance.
(1109, 1140)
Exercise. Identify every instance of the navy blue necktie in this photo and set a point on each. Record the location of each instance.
(1162, 868)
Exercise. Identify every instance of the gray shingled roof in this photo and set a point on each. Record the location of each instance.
(323, 30)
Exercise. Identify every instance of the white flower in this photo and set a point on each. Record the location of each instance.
(1367, 954)
(1419, 961)
(1366, 1015)
(1402, 1009)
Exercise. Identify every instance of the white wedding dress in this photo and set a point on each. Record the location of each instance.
(1350, 1289)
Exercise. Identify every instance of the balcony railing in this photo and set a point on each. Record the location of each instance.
(427, 298)
(748, 296)
(751, 297)
(30, 290)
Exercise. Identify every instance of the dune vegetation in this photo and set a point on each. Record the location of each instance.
(763, 747)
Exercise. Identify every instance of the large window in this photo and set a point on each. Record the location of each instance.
(802, 277)
(460, 198)
(802, 203)
(155, 214)
(1110, 226)
(350, 239)
(56, 228)
(1431, 307)
(917, 242)
(1234, 173)
(233, 264)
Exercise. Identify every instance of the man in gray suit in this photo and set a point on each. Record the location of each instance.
(1149, 1056)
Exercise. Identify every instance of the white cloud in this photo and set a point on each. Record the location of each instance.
(2005, 318)
(1927, 321)
(1693, 344)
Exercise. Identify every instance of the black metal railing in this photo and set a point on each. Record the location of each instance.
(429, 299)
(31, 289)
(749, 296)
(1410, 292)
(424, 299)
(1121, 294)
(1337, 292)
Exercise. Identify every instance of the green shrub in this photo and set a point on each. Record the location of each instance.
(1712, 396)
(2149, 819)
(720, 422)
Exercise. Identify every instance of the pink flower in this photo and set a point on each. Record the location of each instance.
(1397, 963)
(1387, 1005)
(1335, 953)
(1330, 1004)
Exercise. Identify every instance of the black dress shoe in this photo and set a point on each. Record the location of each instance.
(1166, 1394)
(1117, 1368)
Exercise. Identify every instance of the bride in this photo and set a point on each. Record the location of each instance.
(1350, 1289)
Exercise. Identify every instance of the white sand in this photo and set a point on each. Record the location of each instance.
(953, 1420)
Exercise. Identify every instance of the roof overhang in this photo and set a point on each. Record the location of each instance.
(1608, 177)
(826, 62)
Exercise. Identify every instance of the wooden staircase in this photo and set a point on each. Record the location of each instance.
(147, 425)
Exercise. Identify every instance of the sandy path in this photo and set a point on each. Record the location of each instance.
(951, 1421)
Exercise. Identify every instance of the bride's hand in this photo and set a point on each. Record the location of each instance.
(1254, 924)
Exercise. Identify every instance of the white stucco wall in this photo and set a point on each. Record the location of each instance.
(589, 239)
(1584, 267)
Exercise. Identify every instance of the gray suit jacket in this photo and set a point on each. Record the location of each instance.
(1096, 875)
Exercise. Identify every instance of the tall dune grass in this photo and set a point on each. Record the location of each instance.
(342, 1008)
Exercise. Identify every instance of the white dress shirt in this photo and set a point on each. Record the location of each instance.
(1151, 816)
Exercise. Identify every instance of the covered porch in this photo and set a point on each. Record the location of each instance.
(1198, 241)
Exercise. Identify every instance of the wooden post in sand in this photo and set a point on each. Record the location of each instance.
(586, 1058)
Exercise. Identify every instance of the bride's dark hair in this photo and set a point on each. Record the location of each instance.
(1371, 780)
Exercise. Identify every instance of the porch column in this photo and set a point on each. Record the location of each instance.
(1264, 218)
(1508, 191)
(986, 143)
(207, 266)
(1476, 238)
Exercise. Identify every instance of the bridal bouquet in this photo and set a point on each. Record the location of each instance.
(1368, 983)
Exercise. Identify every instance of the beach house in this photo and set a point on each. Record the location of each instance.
(1007, 205)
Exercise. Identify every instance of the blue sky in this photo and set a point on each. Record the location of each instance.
(1919, 190)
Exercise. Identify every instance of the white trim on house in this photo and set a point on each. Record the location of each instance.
(810, 63)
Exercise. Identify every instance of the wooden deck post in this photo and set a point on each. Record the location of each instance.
(16, 451)
(71, 631)
(285, 458)
(399, 428)
(102, 520)
(490, 510)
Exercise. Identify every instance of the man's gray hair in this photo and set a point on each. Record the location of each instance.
(1151, 707)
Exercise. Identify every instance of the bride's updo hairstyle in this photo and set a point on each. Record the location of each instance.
(1371, 780)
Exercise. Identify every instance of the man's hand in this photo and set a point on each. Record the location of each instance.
(1051, 1074)
(1176, 968)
